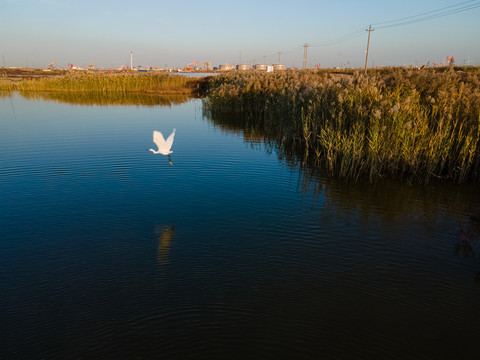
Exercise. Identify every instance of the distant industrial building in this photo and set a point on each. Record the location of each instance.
(207, 65)
(246, 67)
(226, 67)
(260, 67)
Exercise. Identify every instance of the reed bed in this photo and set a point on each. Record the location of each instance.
(147, 83)
(397, 123)
(7, 86)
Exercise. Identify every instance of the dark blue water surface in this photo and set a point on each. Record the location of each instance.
(108, 251)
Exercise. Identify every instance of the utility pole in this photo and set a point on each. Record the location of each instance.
(305, 55)
(131, 60)
(368, 45)
(264, 60)
(279, 57)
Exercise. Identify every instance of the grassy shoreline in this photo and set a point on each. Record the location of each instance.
(396, 123)
(104, 83)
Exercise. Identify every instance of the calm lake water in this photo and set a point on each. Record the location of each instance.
(108, 251)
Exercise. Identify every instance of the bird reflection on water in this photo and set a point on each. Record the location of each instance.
(165, 235)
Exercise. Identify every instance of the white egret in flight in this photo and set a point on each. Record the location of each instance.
(163, 145)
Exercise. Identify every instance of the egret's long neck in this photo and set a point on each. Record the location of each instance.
(155, 152)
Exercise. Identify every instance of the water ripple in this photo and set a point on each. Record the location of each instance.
(108, 251)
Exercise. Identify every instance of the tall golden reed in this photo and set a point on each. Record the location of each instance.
(150, 83)
(400, 123)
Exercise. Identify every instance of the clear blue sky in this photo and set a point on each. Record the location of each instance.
(35, 32)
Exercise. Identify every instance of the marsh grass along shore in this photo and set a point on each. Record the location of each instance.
(105, 83)
(397, 123)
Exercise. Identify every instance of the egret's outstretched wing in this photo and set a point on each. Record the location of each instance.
(159, 140)
(170, 139)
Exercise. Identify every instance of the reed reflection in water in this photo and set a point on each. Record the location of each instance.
(107, 99)
(400, 202)
(468, 238)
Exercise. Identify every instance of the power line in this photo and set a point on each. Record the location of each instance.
(346, 37)
(425, 16)
(278, 53)
(445, 11)
(425, 13)
(434, 14)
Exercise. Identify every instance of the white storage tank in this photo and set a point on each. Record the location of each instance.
(260, 67)
(225, 67)
(243, 67)
(278, 67)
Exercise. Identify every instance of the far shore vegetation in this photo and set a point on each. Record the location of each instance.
(104, 83)
(415, 124)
